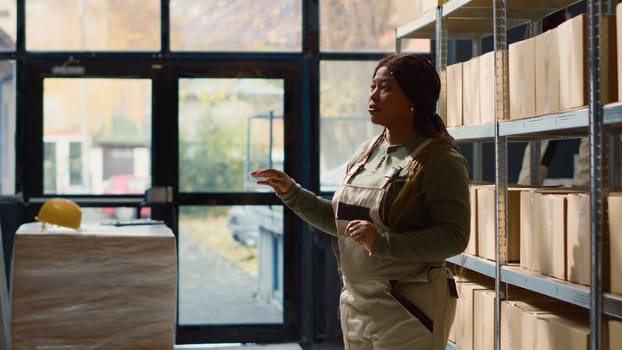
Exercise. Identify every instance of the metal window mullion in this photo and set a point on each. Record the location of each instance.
(597, 192)
(165, 27)
(501, 179)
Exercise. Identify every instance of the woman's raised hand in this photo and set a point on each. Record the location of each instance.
(278, 180)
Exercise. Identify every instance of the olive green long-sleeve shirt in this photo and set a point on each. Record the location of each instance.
(435, 228)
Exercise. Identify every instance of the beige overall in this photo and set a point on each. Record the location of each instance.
(387, 304)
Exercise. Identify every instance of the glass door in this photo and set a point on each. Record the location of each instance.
(233, 240)
(230, 256)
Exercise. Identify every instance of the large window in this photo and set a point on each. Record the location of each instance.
(228, 127)
(236, 25)
(88, 25)
(97, 135)
(362, 25)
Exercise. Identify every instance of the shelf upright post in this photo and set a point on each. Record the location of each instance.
(441, 59)
(398, 43)
(501, 178)
(478, 152)
(596, 188)
(535, 150)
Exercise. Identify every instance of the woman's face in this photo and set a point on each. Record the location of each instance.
(388, 105)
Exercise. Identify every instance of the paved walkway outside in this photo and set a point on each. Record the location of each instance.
(213, 290)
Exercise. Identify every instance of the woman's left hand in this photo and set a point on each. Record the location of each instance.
(362, 231)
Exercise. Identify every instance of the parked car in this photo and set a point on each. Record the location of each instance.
(245, 222)
(126, 184)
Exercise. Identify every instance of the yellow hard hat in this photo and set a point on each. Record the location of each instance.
(61, 212)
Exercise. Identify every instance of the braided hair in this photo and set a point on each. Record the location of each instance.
(418, 79)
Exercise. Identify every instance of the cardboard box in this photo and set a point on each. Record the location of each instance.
(510, 326)
(486, 224)
(464, 321)
(572, 63)
(615, 334)
(546, 64)
(471, 92)
(464, 276)
(563, 331)
(102, 287)
(484, 314)
(522, 78)
(572, 41)
(512, 314)
(454, 95)
(487, 87)
(471, 248)
(549, 234)
(537, 331)
(527, 217)
(608, 59)
(511, 323)
(615, 240)
(578, 241)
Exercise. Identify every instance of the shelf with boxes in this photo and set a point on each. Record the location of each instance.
(546, 95)
(570, 123)
(562, 290)
(545, 84)
(513, 274)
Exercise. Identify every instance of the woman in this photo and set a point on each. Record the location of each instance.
(403, 208)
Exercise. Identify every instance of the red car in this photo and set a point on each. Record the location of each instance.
(126, 184)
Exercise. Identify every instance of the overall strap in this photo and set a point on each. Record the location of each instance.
(396, 169)
(356, 167)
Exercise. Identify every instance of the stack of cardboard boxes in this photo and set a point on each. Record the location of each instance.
(102, 287)
(548, 230)
(528, 320)
(547, 74)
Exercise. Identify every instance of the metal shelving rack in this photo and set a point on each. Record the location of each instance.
(474, 19)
